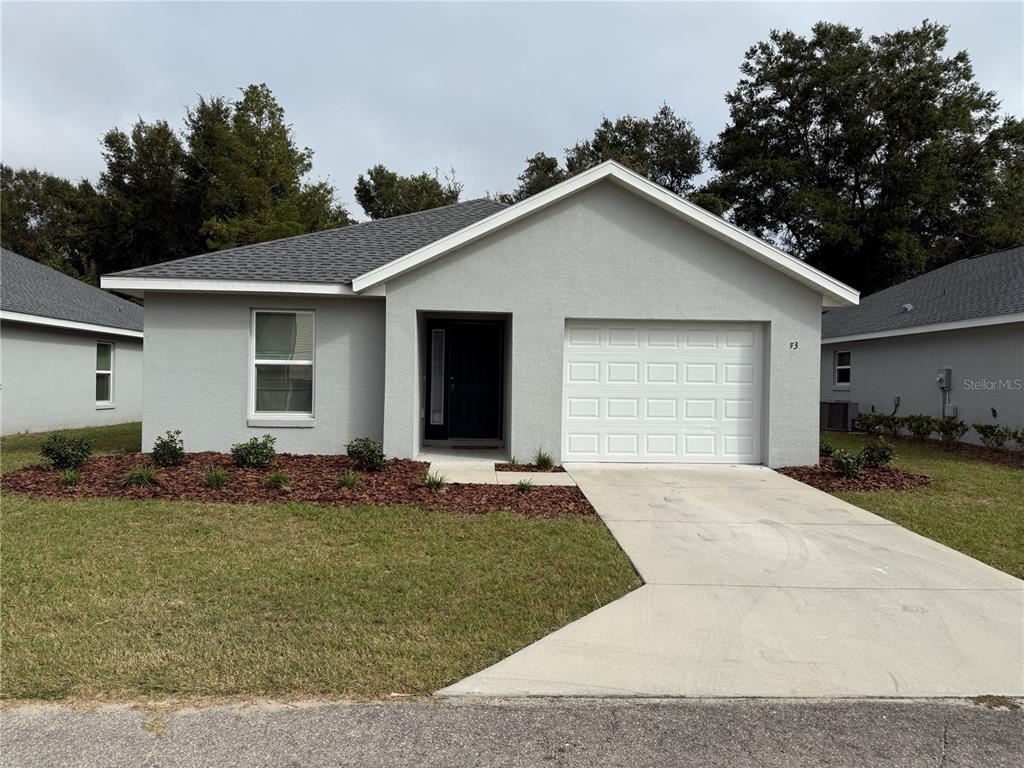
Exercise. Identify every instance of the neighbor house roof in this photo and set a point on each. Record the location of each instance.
(33, 293)
(983, 290)
(332, 256)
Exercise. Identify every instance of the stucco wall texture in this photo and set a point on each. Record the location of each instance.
(49, 379)
(603, 254)
(988, 373)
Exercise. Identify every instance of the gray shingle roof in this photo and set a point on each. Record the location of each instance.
(982, 286)
(330, 256)
(31, 288)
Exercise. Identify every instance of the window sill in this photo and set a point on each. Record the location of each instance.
(300, 423)
(105, 406)
(841, 388)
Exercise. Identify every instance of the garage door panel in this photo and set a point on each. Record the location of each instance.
(662, 392)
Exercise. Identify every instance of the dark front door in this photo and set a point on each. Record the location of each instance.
(472, 354)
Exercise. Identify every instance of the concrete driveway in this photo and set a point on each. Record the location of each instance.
(757, 585)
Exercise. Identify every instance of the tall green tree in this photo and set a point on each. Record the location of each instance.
(542, 171)
(382, 193)
(46, 218)
(873, 159)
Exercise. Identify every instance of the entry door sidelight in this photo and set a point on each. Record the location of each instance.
(465, 380)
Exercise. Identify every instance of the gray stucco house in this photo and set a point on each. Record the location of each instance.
(946, 343)
(70, 354)
(604, 319)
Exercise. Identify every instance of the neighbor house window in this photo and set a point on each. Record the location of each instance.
(104, 373)
(842, 365)
(282, 372)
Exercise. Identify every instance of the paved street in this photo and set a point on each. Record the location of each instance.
(561, 732)
(758, 585)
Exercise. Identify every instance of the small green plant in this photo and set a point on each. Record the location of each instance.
(992, 435)
(215, 478)
(257, 453)
(141, 475)
(276, 481)
(951, 430)
(524, 486)
(892, 425)
(877, 454)
(871, 422)
(846, 464)
(348, 480)
(68, 477)
(543, 460)
(1018, 438)
(435, 481)
(512, 462)
(825, 447)
(367, 453)
(169, 450)
(64, 451)
(920, 425)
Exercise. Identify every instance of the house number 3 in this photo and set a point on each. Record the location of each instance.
(794, 345)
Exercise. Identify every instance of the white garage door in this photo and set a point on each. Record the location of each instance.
(661, 392)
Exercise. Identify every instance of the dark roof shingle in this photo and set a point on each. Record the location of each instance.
(329, 256)
(982, 286)
(31, 288)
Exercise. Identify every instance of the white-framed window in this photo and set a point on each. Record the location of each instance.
(281, 349)
(104, 373)
(841, 361)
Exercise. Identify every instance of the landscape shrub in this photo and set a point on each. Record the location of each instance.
(920, 425)
(846, 464)
(543, 460)
(257, 453)
(992, 435)
(64, 451)
(141, 475)
(348, 480)
(892, 425)
(1018, 439)
(69, 477)
(870, 422)
(951, 430)
(435, 481)
(524, 486)
(825, 447)
(215, 478)
(877, 454)
(276, 481)
(367, 453)
(169, 450)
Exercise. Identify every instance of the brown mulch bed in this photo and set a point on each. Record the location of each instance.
(313, 479)
(823, 477)
(505, 467)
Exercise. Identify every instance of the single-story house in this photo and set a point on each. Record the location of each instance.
(604, 319)
(70, 353)
(949, 343)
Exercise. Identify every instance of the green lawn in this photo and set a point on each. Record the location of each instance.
(115, 599)
(19, 450)
(971, 505)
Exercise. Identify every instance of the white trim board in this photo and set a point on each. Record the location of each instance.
(136, 286)
(977, 322)
(834, 292)
(73, 325)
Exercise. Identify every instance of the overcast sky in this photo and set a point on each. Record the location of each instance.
(476, 86)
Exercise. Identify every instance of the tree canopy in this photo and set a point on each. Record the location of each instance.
(874, 159)
(383, 193)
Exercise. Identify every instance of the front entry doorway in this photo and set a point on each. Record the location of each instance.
(465, 361)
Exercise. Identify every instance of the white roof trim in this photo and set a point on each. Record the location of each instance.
(136, 286)
(956, 325)
(74, 325)
(834, 292)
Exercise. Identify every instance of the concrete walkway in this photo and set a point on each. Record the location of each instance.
(757, 585)
(467, 467)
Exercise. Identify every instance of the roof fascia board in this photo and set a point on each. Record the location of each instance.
(74, 325)
(139, 285)
(977, 322)
(833, 291)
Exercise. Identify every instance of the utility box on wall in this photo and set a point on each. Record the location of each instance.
(944, 378)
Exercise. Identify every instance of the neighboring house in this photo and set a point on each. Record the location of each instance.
(604, 319)
(70, 354)
(887, 354)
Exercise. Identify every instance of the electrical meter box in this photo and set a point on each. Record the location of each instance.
(944, 377)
